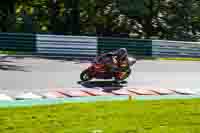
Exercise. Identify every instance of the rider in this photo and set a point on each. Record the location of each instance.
(115, 61)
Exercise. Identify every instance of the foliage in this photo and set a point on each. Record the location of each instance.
(163, 19)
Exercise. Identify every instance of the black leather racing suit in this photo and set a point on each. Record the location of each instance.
(114, 60)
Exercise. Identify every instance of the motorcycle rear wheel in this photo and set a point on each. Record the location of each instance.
(85, 75)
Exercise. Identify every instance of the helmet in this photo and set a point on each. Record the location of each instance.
(122, 53)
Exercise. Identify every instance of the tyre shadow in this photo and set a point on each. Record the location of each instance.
(105, 85)
(9, 65)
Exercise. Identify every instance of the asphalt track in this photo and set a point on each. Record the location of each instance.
(38, 75)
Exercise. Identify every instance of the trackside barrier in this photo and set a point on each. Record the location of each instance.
(164, 48)
(88, 47)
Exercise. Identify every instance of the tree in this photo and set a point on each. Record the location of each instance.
(143, 15)
(75, 17)
(183, 19)
(165, 19)
(7, 15)
(102, 18)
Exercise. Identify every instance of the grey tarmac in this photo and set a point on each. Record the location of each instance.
(32, 74)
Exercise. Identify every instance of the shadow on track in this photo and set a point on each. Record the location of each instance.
(6, 66)
(105, 85)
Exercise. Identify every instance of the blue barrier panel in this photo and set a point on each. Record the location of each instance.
(161, 48)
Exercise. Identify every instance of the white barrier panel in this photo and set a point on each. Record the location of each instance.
(66, 45)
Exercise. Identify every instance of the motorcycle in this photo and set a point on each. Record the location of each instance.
(100, 71)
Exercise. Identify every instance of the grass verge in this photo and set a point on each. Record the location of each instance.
(8, 52)
(168, 58)
(181, 59)
(179, 116)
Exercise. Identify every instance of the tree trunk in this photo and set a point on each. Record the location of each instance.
(54, 11)
(75, 18)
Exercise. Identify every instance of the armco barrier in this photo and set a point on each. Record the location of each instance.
(52, 45)
(18, 42)
(134, 47)
(66, 45)
(150, 48)
(161, 48)
(84, 47)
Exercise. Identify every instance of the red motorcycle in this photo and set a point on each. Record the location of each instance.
(100, 71)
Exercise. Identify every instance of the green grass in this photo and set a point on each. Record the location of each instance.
(169, 58)
(169, 116)
(8, 52)
(180, 59)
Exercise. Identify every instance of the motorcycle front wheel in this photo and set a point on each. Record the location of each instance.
(85, 75)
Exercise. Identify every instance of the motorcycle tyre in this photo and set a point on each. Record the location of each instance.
(85, 75)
